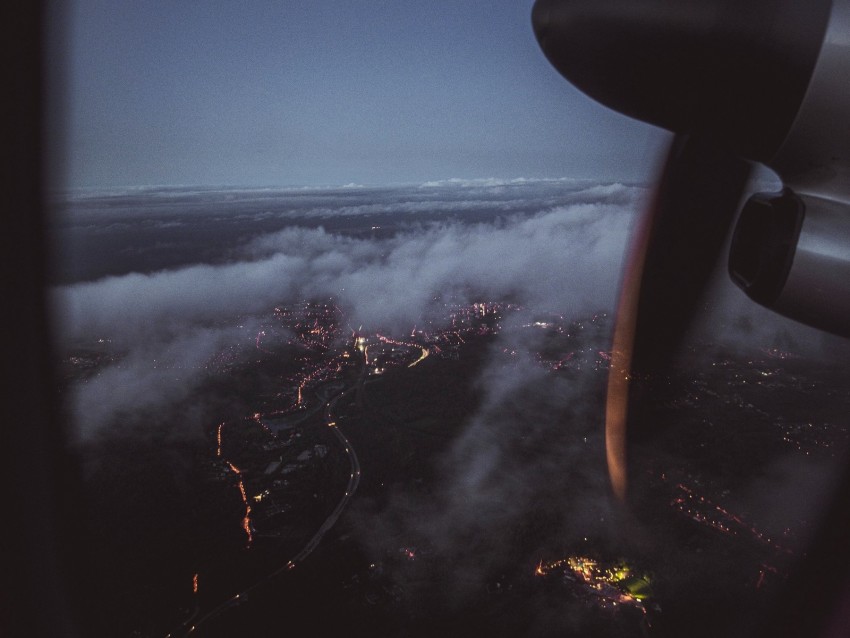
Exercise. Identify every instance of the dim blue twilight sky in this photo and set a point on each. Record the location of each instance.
(326, 92)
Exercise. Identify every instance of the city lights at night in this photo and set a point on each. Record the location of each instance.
(433, 458)
(286, 469)
(356, 319)
(613, 583)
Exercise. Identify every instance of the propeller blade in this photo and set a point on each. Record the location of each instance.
(764, 80)
(673, 255)
(694, 207)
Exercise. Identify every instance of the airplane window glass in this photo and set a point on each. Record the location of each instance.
(335, 292)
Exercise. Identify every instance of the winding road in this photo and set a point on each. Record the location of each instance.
(330, 521)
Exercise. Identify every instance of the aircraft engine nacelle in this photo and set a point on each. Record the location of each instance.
(791, 251)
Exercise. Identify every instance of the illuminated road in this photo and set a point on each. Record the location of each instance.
(353, 482)
(422, 357)
(330, 521)
(327, 370)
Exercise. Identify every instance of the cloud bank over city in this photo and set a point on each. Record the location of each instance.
(549, 246)
(562, 258)
(488, 458)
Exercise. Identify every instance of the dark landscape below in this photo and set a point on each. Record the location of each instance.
(448, 478)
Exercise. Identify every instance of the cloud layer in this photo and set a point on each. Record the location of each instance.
(564, 258)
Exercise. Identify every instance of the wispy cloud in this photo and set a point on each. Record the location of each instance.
(565, 258)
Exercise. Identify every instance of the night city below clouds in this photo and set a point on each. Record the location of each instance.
(389, 401)
(333, 290)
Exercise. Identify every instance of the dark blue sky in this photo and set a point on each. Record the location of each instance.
(327, 92)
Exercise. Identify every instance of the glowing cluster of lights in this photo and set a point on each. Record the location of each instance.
(610, 584)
